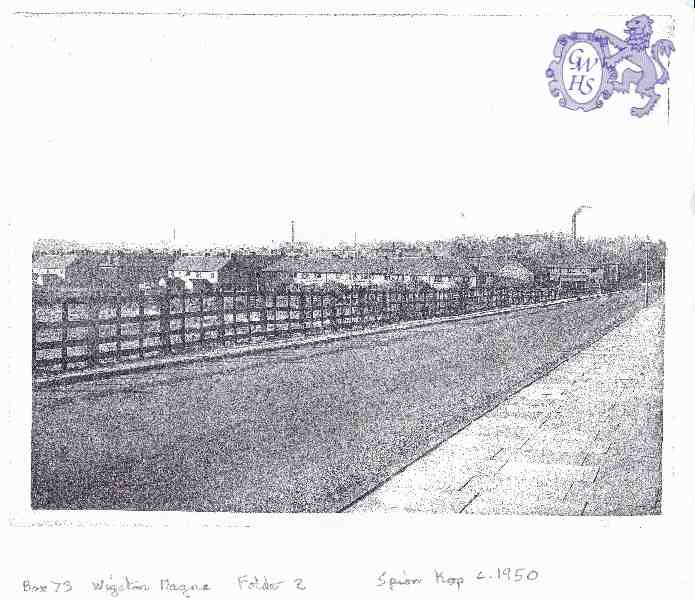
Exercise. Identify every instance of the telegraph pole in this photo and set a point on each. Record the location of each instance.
(354, 262)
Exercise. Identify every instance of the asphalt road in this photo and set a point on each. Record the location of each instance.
(303, 430)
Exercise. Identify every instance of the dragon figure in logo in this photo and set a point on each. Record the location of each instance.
(634, 50)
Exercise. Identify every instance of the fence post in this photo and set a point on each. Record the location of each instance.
(327, 309)
(33, 336)
(164, 322)
(201, 318)
(221, 328)
(119, 308)
(234, 329)
(362, 299)
(301, 308)
(182, 329)
(141, 324)
(350, 307)
(276, 320)
(286, 320)
(64, 337)
(93, 335)
(248, 314)
(322, 309)
(264, 316)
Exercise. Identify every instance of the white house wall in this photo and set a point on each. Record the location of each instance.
(517, 273)
(188, 277)
(359, 279)
(39, 273)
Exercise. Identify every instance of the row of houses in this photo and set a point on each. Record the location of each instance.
(119, 271)
(439, 273)
(255, 272)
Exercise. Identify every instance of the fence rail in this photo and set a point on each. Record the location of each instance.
(87, 331)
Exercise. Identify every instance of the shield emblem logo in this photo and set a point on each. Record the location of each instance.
(579, 75)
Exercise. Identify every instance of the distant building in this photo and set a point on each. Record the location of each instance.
(243, 272)
(515, 273)
(57, 269)
(440, 273)
(128, 271)
(486, 268)
(102, 271)
(492, 270)
(575, 275)
(198, 272)
(611, 275)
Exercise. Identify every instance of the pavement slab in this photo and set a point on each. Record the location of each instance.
(583, 440)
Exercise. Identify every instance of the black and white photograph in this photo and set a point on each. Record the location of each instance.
(515, 374)
(344, 272)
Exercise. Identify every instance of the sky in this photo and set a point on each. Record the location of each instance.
(392, 128)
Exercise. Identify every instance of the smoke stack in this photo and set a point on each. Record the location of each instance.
(292, 234)
(574, 220)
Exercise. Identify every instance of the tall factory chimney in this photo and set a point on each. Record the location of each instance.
(574, 221)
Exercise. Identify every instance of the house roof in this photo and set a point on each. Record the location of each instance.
(328, 264)
(401, 266)
(54, 261)
(569, 264)
(576, 259)
(431, 266)
(514, 264)
(251, 261)
(200, 263)
(489, 264)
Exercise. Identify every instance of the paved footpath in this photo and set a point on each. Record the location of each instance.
(583, 440)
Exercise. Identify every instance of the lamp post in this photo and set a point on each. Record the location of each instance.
(663, 278)
(646, 282)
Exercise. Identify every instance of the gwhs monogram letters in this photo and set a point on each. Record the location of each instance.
(581, 81)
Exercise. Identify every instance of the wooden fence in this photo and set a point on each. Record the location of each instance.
(88, 331)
